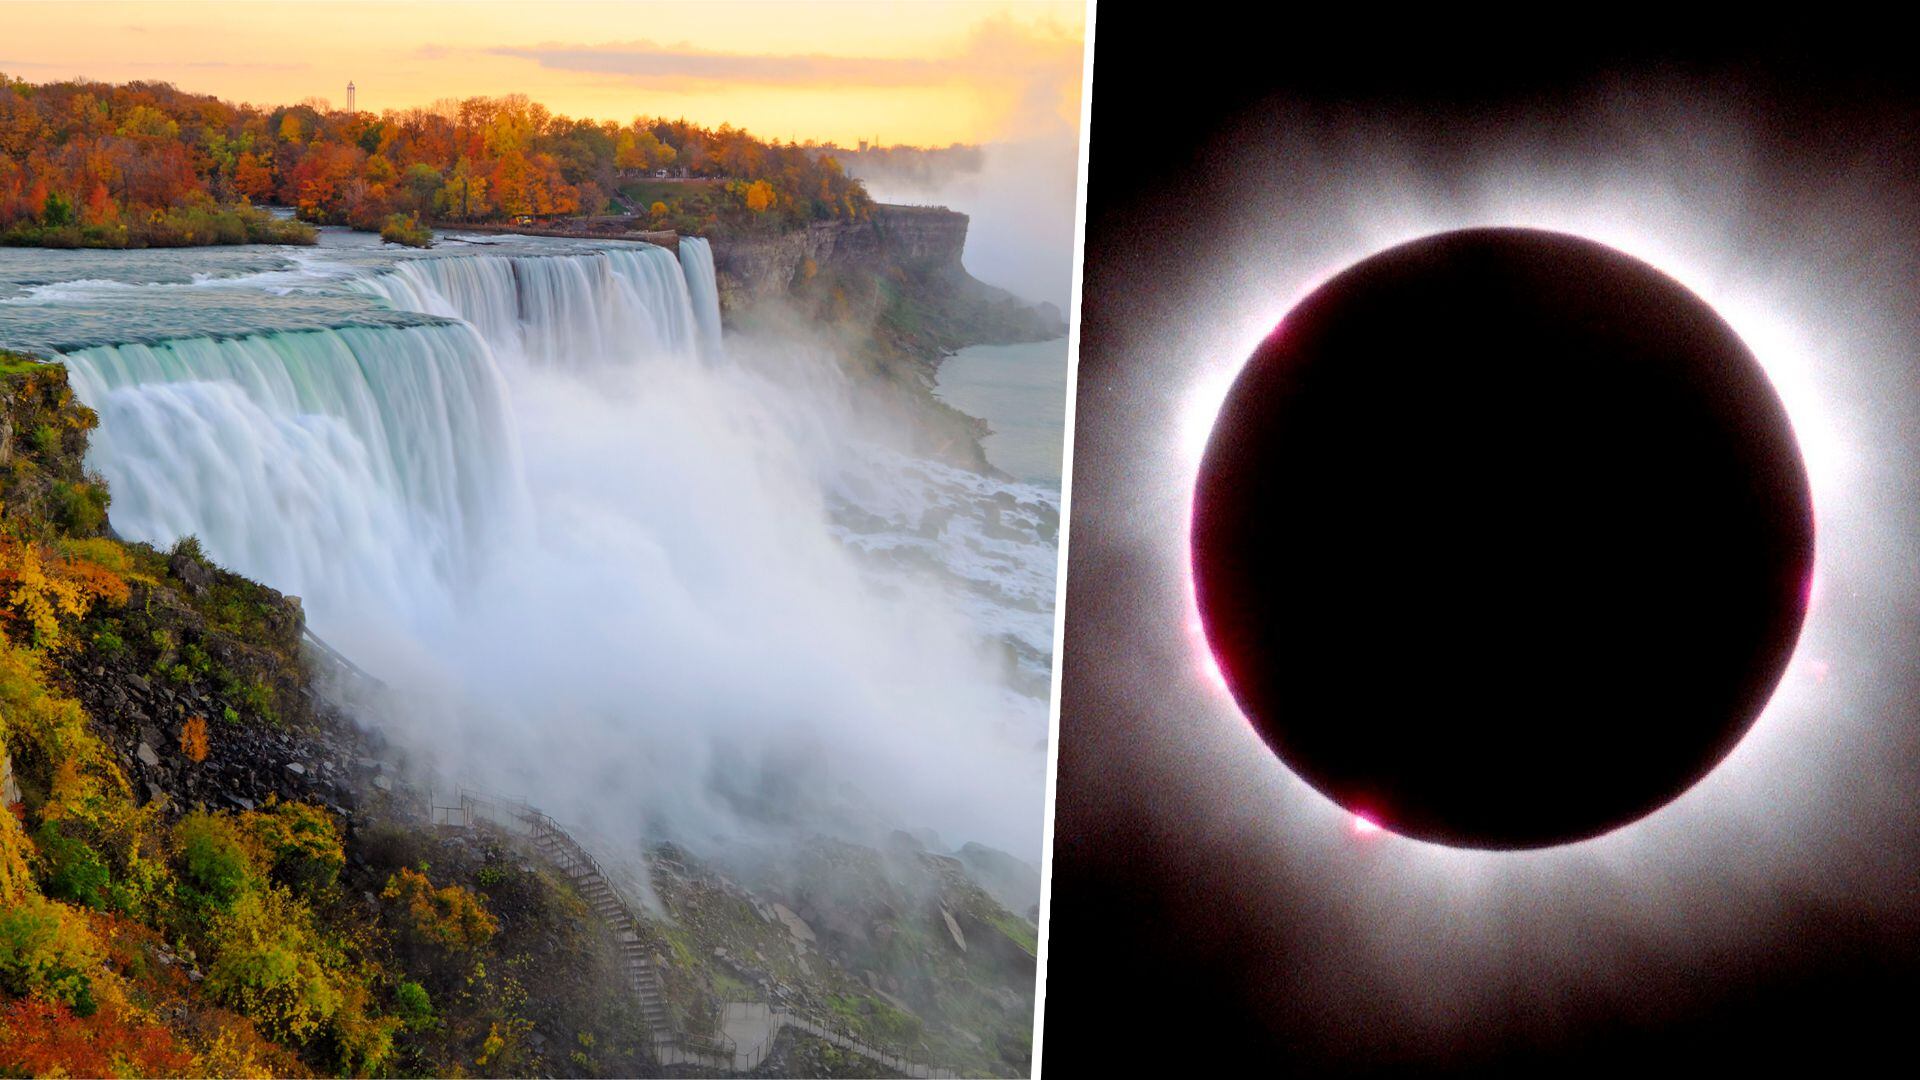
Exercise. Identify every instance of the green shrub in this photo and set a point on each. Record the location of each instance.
(71, 870)
(217, 868)
(80, 509)
(196, 659)
(406, 229)
(46, 952)
(253, 696)
(188, 547)
(413, 1005)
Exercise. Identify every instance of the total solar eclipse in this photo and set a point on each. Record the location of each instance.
(1502, 539)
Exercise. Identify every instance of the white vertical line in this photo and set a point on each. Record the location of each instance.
(1066, 519)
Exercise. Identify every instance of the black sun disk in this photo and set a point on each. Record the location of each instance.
(1502, 539)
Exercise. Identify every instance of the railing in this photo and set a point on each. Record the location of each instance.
(338, 657)
(671, 1047)
(558, 845)
(917, 1064)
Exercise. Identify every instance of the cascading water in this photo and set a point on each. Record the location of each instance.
(696, 259)
(616, 306)
(597, 559)
(391, 448)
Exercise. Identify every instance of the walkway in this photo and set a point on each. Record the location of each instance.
(748, 1028)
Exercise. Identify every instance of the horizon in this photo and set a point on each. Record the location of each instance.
(927, 75)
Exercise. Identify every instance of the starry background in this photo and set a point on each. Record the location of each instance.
(1209, 911)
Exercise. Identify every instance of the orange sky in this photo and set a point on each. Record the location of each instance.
(922, 73)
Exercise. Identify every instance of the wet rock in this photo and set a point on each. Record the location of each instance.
(194, 573)
(953, 928)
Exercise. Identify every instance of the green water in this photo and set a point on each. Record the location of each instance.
(1021, 390)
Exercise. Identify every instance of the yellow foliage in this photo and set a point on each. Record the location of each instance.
(759, 196)
(51, 732)
(16, 875)
(265, 965)
(110, 555)
(302, 841)
(42, 588)
(39, 598)
(492, 1046)
(47, 951)
(236, 1049)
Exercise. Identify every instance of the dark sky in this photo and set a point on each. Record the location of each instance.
(1207, 913)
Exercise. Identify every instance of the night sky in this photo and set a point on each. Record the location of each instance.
(1211, 911)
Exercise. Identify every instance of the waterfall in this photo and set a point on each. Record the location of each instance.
(631, 304)
(696, 259)
(392, 448)
(564, 529)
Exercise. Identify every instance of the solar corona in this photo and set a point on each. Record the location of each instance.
(1502, 539)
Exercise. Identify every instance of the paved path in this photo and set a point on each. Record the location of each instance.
(747, 1027)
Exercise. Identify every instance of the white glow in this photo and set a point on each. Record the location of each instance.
(1800, 371)
(1813, 268)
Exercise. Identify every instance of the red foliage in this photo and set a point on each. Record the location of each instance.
(38, 1038)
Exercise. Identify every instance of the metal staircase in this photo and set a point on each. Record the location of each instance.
(670, 1046)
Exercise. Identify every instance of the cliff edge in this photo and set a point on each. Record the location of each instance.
(891, 295)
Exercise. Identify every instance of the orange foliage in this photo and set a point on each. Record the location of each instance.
(253, 177)
(452, 916)
(193, 739)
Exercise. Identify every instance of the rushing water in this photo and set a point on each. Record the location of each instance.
(598, 551)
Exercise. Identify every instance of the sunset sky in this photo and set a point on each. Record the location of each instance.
(920, 73)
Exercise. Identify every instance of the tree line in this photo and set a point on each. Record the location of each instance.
(144, 163)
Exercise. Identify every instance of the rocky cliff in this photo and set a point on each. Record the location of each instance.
(759, 267)
(922, 244)
(891, 294)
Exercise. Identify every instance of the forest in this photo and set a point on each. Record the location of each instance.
(144, 164)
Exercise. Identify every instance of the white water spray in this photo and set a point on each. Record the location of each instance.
(601, 563)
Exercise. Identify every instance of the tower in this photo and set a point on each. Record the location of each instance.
(349, 96)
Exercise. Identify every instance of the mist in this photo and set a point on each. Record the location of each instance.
(661, 586)
(1022, 203)
(680, 640)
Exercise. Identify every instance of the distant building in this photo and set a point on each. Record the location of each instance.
(349, 96)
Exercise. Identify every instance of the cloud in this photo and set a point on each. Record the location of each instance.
(1028, 73)
(228, 65)
(666, 67)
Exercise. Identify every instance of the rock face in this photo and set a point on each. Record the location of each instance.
(919, 238)
(1009, 880)
(191, 647)
(916, 249)
(891, 297)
